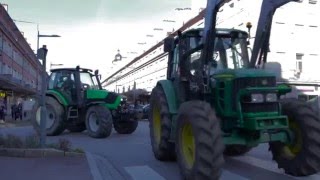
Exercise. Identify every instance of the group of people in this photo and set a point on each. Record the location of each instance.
(16, 111)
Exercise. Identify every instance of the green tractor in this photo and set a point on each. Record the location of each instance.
(215, 104)
(76, 101)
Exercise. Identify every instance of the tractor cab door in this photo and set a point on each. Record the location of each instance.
(64, 83)
(184, 63)
(87, 82)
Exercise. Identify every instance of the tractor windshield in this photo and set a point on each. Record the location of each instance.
(230, 52)
(87, 80)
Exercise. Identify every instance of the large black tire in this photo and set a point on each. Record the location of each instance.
(160, 126)
(55, 124)
(203, 159)
(77, 128)
(301, 160)
(236, 150)
(125, 127)
(98, 121)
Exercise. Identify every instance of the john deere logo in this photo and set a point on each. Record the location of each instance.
(264, 82)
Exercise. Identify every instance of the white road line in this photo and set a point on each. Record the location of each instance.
(270, 166)
(143, 172)
(93, 167)
(227, 175)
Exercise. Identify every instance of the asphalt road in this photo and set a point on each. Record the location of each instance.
(131, 157)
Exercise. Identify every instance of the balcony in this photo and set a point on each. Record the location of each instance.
(8, 82)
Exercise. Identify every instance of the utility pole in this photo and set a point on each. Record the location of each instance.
(42, 54)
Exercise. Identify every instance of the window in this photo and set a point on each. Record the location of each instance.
(86, 78)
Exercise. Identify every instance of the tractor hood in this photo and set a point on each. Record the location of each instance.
(110, 98)
(242, 73)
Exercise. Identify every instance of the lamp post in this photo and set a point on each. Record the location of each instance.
(42, 35)
(42, 54)
(118, 57)
(134, 84)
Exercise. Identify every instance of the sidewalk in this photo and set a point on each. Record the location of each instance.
(55, 168)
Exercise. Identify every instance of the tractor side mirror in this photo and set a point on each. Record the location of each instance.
(96, 72)
(99, 76)
(168, 44)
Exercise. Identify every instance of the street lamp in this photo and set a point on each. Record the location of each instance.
(134, 84)
(42, 35)
(55, 65)
(118, 57)
(42, 54)
(168, 20)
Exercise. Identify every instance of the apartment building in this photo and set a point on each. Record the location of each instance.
(19, 67)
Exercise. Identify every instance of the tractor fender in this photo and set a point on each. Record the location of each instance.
(58, 97)
(169, 91)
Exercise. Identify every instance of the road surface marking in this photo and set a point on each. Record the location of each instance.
(143, 172)
(93, 167)
(270, 166)
(227, 175)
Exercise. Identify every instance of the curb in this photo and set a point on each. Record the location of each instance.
(103, 169)
(93, 167)
(14, 152)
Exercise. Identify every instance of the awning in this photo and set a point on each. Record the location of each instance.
(7, 82)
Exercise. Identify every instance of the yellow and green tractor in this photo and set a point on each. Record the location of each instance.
(217, 102)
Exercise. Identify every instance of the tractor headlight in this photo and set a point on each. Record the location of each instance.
(257, 98)
(271, 97)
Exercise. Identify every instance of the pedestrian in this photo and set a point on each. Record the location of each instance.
(13, 111)
(20, 110)
(2, 112)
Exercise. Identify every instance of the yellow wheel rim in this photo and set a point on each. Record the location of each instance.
(293, 149)
(156, 123)
(188, 145)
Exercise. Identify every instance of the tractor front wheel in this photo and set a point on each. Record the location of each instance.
(160, 126)
(300, 157)
(199, 145)
(125, 127)
(54, 117)
(98, 121)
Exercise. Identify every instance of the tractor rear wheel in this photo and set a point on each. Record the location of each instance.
(98, 121)
(54, 118)
(236, 150)
(77, 128)
(199, 145)
(301, 157)
(125, 127)
(160, 126)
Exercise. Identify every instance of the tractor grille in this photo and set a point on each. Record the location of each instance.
(242, 83)
(259, 107)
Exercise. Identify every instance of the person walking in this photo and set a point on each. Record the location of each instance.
(13, 111)
(2, 112)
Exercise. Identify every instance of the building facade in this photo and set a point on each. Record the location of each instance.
(295, 27)
(19, 67)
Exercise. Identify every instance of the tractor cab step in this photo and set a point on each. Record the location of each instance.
(73, 112)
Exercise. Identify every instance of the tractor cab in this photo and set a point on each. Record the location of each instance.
(74, 84)
(185, 62)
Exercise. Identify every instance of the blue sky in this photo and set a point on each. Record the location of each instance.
(91, 31)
